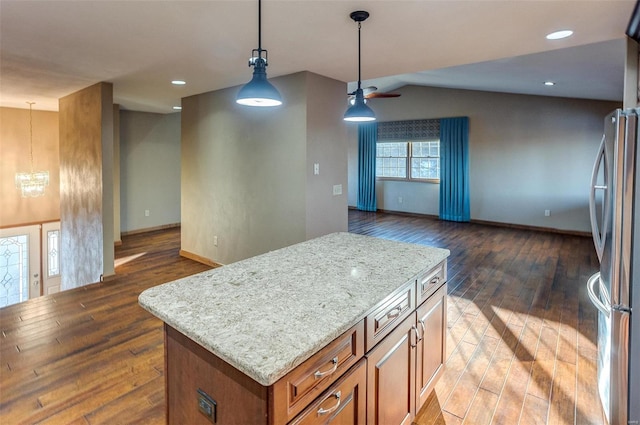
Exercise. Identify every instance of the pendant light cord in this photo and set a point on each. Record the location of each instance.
(359, 60)
(31, 134)
(260, 28)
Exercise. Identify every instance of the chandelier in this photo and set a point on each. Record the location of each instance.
(32, 184)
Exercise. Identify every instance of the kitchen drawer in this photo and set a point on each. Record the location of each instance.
(389, 313)
(293, 392)
(430, 281)
(345, 402)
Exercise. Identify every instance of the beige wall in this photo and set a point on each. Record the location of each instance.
(150, 168)
(245, 171)
(326, 146)
(116, 174)
(527, 154)
(14, 157)
(86, 198)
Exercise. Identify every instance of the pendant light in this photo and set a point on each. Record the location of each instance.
(259, 91)
(32, 184)
(359, 111)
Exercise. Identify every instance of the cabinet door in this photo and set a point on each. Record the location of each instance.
(430, 355)
(391, 377)
(344, 403)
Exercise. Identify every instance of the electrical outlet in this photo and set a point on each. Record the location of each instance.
(215, 241)
(337, 189)
(400, 199)
(316, 168)
(207, 406)
(547, 213)
(147, 213)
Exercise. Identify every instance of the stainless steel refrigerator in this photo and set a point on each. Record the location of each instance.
(615, 289)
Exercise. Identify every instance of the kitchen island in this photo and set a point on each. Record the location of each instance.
(306, 333)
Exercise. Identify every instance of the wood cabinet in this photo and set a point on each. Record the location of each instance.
(431, 348)
(391, 311)
(391, 377)
(403, 368)
(378, 372)
(293, 392)
(345, 402)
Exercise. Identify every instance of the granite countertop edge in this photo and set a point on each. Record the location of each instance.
(228, 325)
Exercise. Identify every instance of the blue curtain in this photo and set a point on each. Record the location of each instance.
(454, 169)
(367, 138)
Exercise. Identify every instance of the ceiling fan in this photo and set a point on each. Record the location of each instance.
(371, 92)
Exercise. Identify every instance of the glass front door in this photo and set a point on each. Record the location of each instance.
(19, 264)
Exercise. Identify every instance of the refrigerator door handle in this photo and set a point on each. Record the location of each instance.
(599, 230)
(595, 299)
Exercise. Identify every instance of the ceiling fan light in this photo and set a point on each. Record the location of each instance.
(259, 91)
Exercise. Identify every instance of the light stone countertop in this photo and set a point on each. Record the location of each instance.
(267, 314)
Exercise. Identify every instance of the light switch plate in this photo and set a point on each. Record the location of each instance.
(337, 189)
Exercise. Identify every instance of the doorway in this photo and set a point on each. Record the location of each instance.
(25, 253)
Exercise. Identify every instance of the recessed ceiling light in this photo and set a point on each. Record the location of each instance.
(178, 82)
(177, 108)
(549, 83)
(559, 34)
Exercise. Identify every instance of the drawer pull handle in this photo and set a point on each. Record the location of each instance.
(319, 374)
(423, 329)
(435, 280)
(415, 329)
(322, 411)
(392, 314)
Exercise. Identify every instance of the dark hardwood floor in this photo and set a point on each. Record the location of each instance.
(521, 342)
(521, 329)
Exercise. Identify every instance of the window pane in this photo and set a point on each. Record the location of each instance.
(425, 160)
(14, 269)
(391, 159)
(53, 248)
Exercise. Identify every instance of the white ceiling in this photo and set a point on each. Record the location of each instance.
(50, 49)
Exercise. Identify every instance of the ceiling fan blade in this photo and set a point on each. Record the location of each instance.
(369, 90)
(365, 90)
(381, 95)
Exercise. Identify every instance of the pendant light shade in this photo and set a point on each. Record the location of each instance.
(359, 111)
(259, 91)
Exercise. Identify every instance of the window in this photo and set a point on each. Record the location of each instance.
(391, 159)
(53, 247)
(408, 160)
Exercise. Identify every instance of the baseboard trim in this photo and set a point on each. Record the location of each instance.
(491, 223)
(150, 229)
(533, 228)
(199, 258)
(409, 214)
(108, 278)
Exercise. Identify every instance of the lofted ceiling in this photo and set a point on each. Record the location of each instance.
(50, 49)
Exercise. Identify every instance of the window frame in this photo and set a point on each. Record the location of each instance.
(409, 157)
